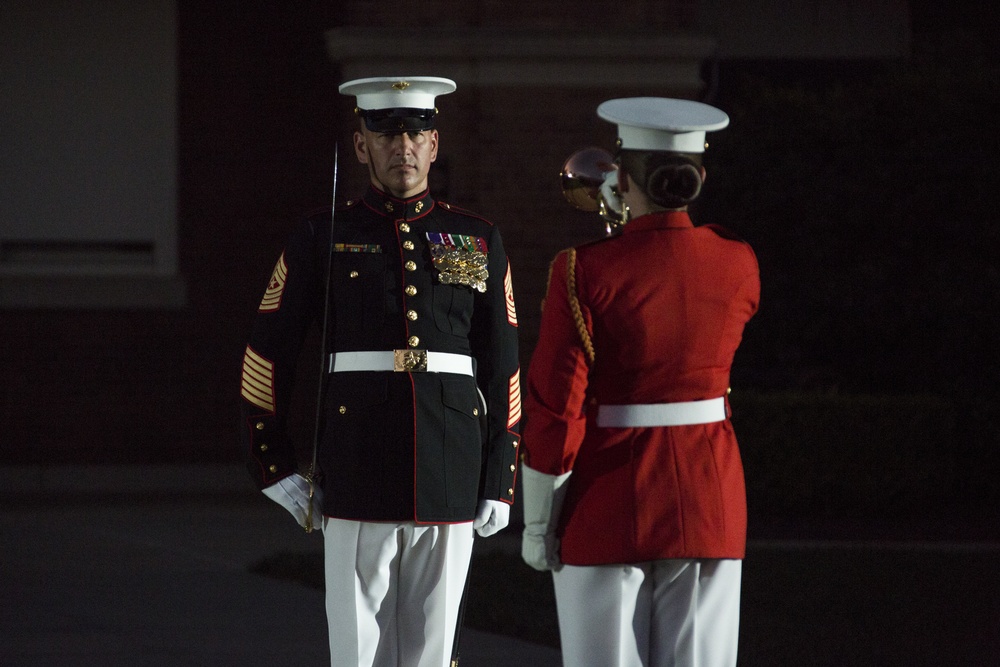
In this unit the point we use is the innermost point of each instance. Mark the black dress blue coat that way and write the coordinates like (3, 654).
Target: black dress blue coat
(393, 446)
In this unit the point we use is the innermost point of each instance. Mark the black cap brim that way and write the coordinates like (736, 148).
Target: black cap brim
(387, 121)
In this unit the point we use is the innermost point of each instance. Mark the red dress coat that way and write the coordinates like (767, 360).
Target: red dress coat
(665, 304)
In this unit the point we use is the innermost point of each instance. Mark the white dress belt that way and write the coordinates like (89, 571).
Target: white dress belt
(662, 414)
(409, 361)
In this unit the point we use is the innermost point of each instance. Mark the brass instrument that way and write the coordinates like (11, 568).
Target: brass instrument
(589, 181)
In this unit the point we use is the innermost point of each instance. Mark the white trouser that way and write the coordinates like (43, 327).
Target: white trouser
(665, 613)
(393, 591)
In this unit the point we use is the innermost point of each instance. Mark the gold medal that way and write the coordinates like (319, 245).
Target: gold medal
(460, 260)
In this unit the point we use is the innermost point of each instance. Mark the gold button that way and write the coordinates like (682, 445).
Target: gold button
(475, 411)
(354, 274)
(259, 426)
(343, 409)
(515, 444)
(403, 227)
(411, 265)
(412, 315)
(513, 467)
(273, 468)
(411, 290)
(408, 245)
(263, 448)
(413, 341)
(510, 492)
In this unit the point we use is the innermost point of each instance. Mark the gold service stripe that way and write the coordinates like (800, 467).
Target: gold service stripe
(514, 399)
(275, 288)
(508, 291)
(258, 380)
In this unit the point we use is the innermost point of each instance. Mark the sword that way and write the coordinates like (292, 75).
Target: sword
(311, 474)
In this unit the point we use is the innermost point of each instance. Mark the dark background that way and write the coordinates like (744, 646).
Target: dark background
(865, 188)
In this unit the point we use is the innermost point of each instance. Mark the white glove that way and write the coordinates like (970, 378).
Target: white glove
(491, 517)
(540, 551)
(543, 497)
(610, 196)
(292, 493)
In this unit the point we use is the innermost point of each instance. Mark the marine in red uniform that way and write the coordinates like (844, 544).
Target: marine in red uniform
(633, 483)
(421, 404)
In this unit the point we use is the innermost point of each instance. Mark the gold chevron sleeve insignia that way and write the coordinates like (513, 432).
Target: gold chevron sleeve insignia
(258, 380)
(508, 292)
(275, 287)
(514, 398)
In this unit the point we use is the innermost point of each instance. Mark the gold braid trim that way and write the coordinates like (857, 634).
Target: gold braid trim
(574, 304)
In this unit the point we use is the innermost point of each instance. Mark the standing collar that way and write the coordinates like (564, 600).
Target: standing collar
(393, 207)
(659, 220)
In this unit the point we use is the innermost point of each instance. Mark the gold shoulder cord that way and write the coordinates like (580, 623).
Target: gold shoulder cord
(574, 304)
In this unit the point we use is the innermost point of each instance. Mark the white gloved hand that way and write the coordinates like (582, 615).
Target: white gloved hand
(542, 496)
(491, 517)
(292, 493)
(610, 194)
(540, 551)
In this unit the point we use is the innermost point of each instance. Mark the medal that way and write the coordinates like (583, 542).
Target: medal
(460, 260)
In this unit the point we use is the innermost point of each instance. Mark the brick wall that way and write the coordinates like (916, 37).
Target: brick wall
(259, 118)
(584, 14)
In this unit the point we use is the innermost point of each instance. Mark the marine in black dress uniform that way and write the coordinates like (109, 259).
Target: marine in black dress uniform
(421, 403)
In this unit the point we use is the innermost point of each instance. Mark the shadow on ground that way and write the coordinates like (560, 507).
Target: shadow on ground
(834, 602)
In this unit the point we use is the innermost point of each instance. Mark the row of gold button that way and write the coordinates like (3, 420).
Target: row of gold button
(513, 467)
(410, 290)
(263, 447)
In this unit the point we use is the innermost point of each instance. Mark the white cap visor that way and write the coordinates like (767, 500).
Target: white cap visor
(662, 124)
(413, 92)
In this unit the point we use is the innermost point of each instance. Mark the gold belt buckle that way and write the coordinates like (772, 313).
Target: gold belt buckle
(409, 361)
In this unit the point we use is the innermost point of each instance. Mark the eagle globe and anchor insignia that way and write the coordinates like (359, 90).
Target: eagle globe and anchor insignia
(460, 260)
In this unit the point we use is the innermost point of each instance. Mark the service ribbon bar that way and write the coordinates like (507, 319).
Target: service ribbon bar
(357, 247)
(458, 241)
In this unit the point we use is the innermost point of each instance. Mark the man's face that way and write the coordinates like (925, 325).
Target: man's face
(397, 163)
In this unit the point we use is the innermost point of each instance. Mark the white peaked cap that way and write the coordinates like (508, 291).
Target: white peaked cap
(662, 123)
(397, 92)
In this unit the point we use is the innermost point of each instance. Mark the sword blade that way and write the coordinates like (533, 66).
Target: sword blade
(323, 332)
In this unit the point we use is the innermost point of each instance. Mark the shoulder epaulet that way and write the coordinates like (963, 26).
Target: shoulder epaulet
(552, 262)
(603, 239)
(350, 203)
(725, 233)
(325, 210)
(451, 208)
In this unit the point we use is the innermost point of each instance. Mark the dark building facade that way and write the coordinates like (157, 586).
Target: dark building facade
(258, 119)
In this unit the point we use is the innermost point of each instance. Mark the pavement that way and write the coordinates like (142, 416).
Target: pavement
(131, 566)
(150, 567)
